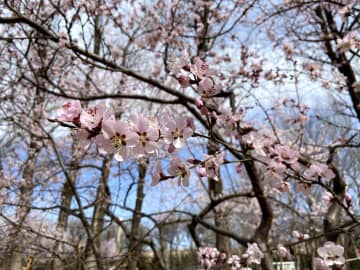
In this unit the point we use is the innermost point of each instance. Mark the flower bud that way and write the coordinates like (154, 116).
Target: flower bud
(199, 103)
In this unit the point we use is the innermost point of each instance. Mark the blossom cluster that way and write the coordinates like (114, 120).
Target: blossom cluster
(350, 41)
(210, 257)
(198, 74)
(140, 136)
(280, 158)
(331, 257)
(137, 137)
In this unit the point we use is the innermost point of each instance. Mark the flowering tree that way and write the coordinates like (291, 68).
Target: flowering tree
(248, 177)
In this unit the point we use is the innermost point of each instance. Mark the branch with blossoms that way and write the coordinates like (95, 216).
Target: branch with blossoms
(211, 258)
(142, 136)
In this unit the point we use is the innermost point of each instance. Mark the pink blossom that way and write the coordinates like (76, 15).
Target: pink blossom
(296, 235)
(304, 187)
(146, 134)
(234, 262)
(328, 197)
(115, 138)
(286, 154)
(171, 148)
(84, 138)
(176, 132)
(332, 254)
(70, 111)
(253, 254)
(319, 170)
(202, 172)
(299, 236)
(212, 165)
(179, 169)
(157, 174)
(208, 257)
(222, 257)
(229, 121)
(314, 70)
(239, 167)
(207, 88)
(348, 198)
(349, 41)
(199, 103)
(204, 110)
(184, 80)
(289, 51)
(320, 264)
(276, 166)
(199, 69)
(91, 117)
(115, 53)
(283, 252)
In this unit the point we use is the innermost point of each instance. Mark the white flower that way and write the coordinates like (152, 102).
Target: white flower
(332, 254)
(253, 254)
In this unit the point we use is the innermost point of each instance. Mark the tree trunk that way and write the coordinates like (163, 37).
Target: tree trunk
(102, 202)
(216, 190)
(26, 189)
(135, 245)
(66, 197)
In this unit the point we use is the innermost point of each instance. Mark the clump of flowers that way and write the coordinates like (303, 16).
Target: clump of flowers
(197, 73)
(331, 257)
(210, 257)
(298, 236)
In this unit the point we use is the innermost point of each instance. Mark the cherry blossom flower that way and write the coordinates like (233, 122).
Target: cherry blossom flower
(115, 138)
(84, 138)
(332, 254)
(275, 174)
(289, 51)
(286, 154)
(176, 132)
(328, 197)
(212, 165)
(207, 88)
(348, 198)
(200, 69)
(91, 118)
(319, 170)
(261, 143)
(283, 251)
(234, 262)
(178, 168)
(70, 111)
(319, 264)
(146, 134)
(253, 254)
(349, 41)
(221, 258)
(314, 70)
(299, 236)
(184, 80)
(157, 174)
(208, 256)
(199, 103)
(229, 121)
